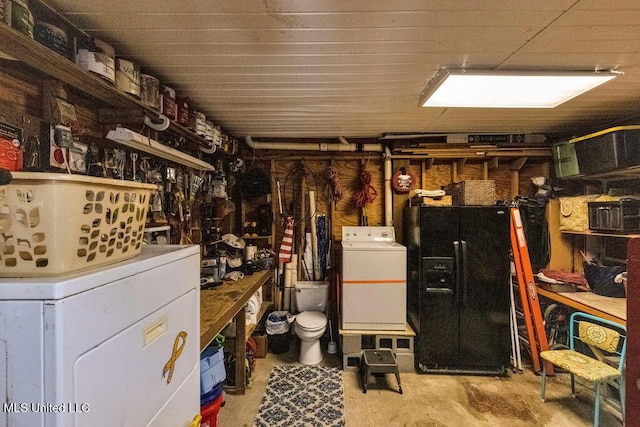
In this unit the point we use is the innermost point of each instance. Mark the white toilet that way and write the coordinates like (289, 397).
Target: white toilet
(311, 322)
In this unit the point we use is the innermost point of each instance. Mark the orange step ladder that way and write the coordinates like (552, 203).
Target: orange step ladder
(528, 295)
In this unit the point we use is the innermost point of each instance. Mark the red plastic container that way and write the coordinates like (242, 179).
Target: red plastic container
(210, 412)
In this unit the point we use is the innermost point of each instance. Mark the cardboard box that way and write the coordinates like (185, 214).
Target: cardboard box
(261, 345)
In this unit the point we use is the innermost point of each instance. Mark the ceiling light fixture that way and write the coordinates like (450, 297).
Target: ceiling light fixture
(508, 89)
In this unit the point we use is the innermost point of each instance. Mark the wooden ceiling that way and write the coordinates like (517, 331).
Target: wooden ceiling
(329, 68)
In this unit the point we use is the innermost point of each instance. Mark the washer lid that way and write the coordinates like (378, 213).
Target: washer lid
(311, 319)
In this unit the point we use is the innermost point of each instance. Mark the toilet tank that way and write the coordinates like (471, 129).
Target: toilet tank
(311, 296)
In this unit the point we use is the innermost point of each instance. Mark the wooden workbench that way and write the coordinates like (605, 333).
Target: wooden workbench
(222, 304)
(614, 309)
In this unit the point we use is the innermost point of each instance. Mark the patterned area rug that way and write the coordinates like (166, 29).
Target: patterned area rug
(301, 395)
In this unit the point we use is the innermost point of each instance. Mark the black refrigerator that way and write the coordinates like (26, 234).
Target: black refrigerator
(458, 268)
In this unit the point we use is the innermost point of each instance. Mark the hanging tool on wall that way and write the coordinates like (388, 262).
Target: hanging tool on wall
(282, 218)
(403, 181)
(366, 193)
(334, 188)
(536, 333)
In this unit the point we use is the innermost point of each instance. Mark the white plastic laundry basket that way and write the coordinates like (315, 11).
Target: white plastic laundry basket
(52, 224)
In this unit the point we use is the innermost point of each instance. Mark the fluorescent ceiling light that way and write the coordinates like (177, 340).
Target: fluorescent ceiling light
(508, 89)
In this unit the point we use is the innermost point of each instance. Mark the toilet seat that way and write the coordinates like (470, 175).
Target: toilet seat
(311, 321)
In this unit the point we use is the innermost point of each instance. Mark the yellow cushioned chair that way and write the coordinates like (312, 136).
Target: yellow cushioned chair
(596, 353)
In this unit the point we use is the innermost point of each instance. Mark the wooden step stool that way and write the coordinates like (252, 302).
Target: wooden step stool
(379, 361)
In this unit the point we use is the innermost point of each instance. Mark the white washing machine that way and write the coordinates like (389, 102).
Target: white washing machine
(374, 279)
(118, 345)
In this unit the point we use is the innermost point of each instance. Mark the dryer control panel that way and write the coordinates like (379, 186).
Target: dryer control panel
(368, 234)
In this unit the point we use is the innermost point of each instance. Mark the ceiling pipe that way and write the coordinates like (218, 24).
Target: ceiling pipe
(344, 145)
(312, 146)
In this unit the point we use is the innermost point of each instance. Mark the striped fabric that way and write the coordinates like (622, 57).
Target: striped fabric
(286, 247)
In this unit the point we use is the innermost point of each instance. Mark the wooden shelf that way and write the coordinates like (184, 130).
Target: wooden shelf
(617, 175)
(614, 309)
(263, 309)
(248, 213)
(454, 151)
(156, 229)
(45, 60)
(132, 139)
(601, 234)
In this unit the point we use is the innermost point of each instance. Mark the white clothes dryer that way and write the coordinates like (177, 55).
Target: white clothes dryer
(117, 345)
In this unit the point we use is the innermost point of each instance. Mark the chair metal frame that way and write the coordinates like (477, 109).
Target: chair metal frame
(615, 359)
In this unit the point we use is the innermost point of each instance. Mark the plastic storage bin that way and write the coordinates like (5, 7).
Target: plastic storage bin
(52, 224)
(565, 159)
(212, 370)
(608, 150)
(216, 391)
(210, 412)
(616, 216)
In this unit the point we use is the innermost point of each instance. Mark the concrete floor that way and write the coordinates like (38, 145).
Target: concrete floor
(437, 400)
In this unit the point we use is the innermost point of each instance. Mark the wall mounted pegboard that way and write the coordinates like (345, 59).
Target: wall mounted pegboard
(31, 135)
(29, 124)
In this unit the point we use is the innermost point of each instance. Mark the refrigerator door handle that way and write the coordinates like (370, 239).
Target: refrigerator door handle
(464, 272)
(457, 261)
(444, 291)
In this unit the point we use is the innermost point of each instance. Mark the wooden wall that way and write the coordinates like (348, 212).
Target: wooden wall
(340, 212)
(343, 212)
(21, 100)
